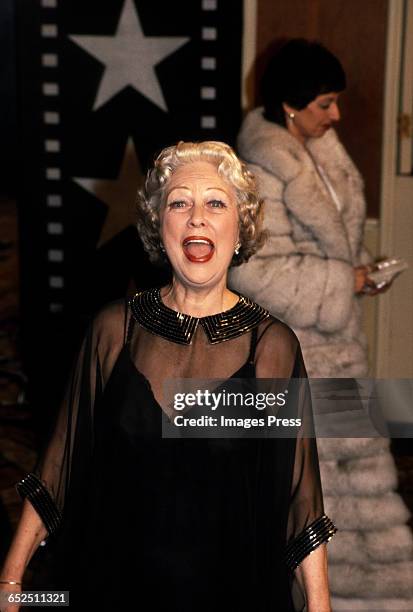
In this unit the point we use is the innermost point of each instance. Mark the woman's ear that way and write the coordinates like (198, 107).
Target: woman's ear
(289, 111)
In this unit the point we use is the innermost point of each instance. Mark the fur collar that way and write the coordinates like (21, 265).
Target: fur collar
(274, 149)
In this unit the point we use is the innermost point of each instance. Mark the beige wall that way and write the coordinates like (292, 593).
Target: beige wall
(370, 303)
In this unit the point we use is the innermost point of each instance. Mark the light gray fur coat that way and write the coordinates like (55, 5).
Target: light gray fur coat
(304, 273)
(304, 276)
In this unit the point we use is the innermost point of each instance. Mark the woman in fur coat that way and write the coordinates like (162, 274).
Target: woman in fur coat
(312, 273)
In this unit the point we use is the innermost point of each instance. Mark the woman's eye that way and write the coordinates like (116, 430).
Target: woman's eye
(216, 204)
(324, 106)
(177, 204)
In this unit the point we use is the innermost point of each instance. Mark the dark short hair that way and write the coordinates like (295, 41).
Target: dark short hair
(299, 72)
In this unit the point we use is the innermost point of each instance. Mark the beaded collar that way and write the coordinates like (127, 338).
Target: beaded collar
(149, 311)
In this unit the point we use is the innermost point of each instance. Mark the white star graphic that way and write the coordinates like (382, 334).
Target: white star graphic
(129, 58)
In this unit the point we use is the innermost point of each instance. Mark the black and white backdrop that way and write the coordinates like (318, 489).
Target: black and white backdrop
(101, 87)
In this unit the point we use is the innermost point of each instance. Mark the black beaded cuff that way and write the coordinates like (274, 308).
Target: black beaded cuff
(41, 500)
(318, 532)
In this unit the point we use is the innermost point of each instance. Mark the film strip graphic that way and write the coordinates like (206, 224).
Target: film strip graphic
(51, 89)
(209, 36)
(213, 115)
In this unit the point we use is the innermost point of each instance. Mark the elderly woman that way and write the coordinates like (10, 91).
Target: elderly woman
(185, 524)
(312, 273)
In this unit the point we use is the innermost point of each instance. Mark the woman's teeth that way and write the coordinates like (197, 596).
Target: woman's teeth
(198, 249)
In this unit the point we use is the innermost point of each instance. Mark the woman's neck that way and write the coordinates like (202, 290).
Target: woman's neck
(198, 302)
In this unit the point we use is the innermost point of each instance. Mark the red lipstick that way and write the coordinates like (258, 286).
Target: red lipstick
(198, 249)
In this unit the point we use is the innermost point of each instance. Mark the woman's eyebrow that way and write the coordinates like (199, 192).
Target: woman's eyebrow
(216, 189)
(188, 189)
(177, 187)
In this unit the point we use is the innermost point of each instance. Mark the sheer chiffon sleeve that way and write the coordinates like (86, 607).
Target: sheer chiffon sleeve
(279, 357)
(63, 465)
(308, 525)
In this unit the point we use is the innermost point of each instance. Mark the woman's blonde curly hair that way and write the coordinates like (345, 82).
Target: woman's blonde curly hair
(151, 197)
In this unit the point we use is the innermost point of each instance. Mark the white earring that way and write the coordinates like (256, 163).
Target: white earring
(291, 116)
(237, 248)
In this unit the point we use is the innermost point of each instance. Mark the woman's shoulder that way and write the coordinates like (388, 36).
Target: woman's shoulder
(271, 327)
(277, 330)
(111, 319)
(277, 349)
(270, 146)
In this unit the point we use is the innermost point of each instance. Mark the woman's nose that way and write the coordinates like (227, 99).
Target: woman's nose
(196, 217)
(334, 111)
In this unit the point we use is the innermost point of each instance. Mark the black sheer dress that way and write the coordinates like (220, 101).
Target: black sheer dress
(136, 519)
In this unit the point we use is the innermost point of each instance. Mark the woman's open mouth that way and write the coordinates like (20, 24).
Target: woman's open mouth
(198, 249)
